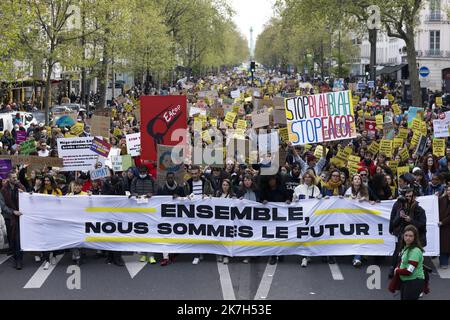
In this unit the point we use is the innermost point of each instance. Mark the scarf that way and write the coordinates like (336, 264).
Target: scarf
(175, 185)
(330, 185)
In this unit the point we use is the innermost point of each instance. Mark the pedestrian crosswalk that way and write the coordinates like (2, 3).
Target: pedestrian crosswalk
(37, 277)
(41, 275)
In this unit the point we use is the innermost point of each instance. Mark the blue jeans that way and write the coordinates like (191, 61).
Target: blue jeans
(443, 259)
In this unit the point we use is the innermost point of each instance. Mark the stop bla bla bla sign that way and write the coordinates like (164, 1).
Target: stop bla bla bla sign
(320, 118)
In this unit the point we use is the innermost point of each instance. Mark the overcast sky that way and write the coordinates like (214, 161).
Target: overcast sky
(252, 13)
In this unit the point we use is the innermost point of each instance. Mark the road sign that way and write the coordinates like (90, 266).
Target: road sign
(424, 72)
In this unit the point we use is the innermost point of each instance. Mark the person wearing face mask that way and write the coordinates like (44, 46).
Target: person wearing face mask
(407, 211)
(144, 186)
(368, 163)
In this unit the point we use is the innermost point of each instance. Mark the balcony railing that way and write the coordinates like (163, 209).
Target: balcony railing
(434, 53)
(434, 17)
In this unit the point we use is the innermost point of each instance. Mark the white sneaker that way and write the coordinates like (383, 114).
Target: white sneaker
(304, 262)
(53, 261)
(357, 263)
(226, 260)
(37, 258)
(196, 261)
(46, 265)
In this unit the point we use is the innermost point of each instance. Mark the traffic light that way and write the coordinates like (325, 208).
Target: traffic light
(253, 66)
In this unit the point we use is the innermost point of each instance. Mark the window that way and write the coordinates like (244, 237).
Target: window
(435, 9)
(435, 42)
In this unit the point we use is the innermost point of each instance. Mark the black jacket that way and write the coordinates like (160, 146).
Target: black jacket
(397, 225)
(165, 191)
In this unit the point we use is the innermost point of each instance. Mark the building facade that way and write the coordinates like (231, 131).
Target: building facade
(432, 49)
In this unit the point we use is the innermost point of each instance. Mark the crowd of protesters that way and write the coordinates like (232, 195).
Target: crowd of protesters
(302, 175)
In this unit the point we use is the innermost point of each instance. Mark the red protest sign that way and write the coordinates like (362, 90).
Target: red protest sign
(160, 117)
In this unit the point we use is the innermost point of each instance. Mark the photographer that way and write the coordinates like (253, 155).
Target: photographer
(407, 211)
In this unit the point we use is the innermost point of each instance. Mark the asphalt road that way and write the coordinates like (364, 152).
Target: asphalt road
(207, 281)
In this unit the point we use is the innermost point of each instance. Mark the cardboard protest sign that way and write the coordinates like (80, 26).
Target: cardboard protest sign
(100, 147)
(260, 119)
(34, 162)
(121, 163)
(384, 102)
(321, 118)
(27, 147)
(100, 126)
(134, 144)
(166, 165)
(439, 147)
(161, 117)
(5, 168)
(279, 117)
(441, 127)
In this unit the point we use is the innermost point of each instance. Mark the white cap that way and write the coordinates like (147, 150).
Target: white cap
(416, 170)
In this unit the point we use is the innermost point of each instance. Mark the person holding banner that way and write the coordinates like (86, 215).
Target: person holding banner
(333, 187)
(357, 191)
(225, 192)
(307, 190)
(10, 193)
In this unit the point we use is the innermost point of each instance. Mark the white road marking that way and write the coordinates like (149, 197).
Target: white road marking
(444, 274)
(225, 282)
(336, 272)
(3, 258)
(266, 282)
(41, 275)
(134, 266)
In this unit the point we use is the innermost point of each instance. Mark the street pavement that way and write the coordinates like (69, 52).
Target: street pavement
(207, 281)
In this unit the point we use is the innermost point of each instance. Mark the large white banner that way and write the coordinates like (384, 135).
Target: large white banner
(333, 227)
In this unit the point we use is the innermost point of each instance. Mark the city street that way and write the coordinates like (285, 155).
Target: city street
(207, 281)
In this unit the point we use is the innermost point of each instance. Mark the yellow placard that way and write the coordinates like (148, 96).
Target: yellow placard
(77, 129)
(241, 124)
(390, 97)
(398, 143)
(354, 159)
(393, 165)
(402, 170)
(423, 128)
(416, 124)
(213, 123)
(229, 118)
(404, 154)
(439, 147)
(117, 132)
(374, 148)
(284, 134)
(386, 147)
(396, 109)
(439, 101)
(380, 121)
(206, 137)
(403, 133)
(415, 139)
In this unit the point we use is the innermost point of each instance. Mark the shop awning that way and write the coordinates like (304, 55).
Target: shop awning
(390, 69)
